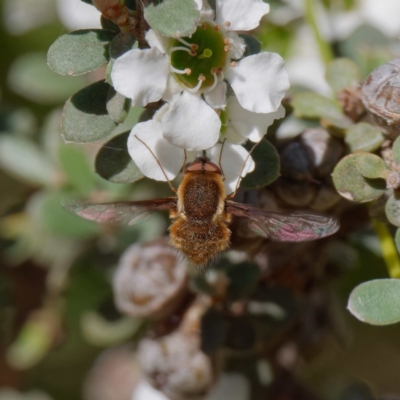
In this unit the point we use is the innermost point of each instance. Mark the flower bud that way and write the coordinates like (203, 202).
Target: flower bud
(176, 366)
(114, 375)
(393, 180)
(150, 281)
(380, 94)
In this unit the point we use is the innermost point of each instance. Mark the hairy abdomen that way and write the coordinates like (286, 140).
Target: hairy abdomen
(199, 243)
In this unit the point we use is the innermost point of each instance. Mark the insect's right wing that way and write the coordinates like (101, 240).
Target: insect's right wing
(285, 226)
(122, 213)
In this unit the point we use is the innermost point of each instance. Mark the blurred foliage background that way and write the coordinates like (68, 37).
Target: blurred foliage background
(56, 306)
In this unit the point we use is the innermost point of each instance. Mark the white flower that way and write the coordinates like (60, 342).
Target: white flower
(180, 71)
(160, 160)
(242, 124)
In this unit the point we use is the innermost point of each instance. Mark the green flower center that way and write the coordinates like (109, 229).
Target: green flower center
(199, 60)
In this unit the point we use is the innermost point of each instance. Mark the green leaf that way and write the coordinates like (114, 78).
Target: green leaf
(118, 106)
(61, 222)
(173, 18)
(392, 210)
(80, 52)
(396, 151)
(253, 46)
(267, 166)
(114, 163)
(371, 166)
(30, 77)
(314, 106)
(343, 73)
(364, 137)
(121, 43)
(352, 185)
(22, 158)
(376, 302)
(85, 116)
(75, 165)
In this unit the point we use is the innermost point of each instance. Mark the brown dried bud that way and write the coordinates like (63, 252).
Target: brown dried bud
(380, 94)
(393, 180)
(114, 375)
(116, 11)
(150, 281)
(176, 366)
(351, 103)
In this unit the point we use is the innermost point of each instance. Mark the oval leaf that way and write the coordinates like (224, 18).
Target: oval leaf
(371, 166)
(80, 52)
(352, 185)
(114, 163)
(392, 210)
(376, 302)
(122, 43)
(267, 166)
(314, 106)
(24, 159)
(118, 106)
(85, 117)
(173, 18)
(396, 151)
(343, 73)
(364, 137)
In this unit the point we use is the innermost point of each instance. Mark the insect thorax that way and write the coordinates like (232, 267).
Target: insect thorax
(201, 196)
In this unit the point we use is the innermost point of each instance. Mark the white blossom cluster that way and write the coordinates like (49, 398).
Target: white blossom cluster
(202, 116)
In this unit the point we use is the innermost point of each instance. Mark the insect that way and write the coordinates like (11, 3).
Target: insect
(201, 212)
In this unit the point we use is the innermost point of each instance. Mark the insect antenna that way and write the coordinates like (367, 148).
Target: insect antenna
(220, 158)
(159, 164)
(233, 194)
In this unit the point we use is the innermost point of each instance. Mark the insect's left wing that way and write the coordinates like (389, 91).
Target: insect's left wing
(295, 226)
(122, 213)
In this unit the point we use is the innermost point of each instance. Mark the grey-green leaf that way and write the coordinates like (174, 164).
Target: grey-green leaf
(343, 73)
(396, 151)
(85, 117)
(80, 52)
(173, 18)
(392, 210)
(121, 43)
(114, 163)
(376, 302)
(397, 240)
(30, 77)
(118, 106)
(364, 137)
(314, 106)
(267, 166)
(371, 166)
(22, 158)
(352, 185)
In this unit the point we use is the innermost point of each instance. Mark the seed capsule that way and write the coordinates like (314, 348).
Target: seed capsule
(380, 94)
(149, 282)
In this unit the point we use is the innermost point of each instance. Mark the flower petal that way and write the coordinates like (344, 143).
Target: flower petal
(217, 97)
(173, 89)
(157, 41)
(143, 391)
(235, 161)
(259, 82)
(141, 75)
(251, 125)
(243, 15)
(237, 46)
(190, 123)
(152, 153)
(231, 135)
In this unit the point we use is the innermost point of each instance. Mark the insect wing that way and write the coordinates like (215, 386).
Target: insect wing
(282, 226)
(123, 213)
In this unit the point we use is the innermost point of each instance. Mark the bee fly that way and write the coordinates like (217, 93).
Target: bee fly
(201, 212)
